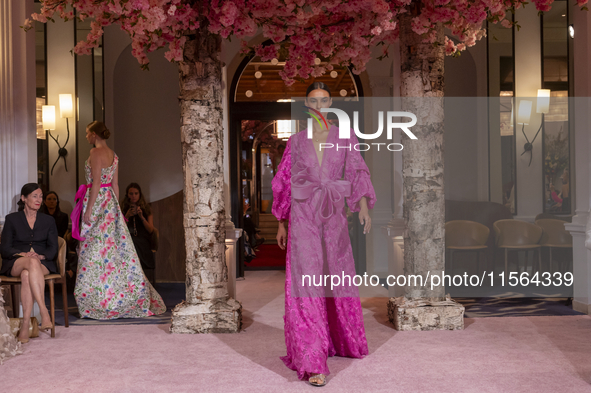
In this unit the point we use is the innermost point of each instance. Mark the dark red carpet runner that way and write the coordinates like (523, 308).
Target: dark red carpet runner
(268, 255)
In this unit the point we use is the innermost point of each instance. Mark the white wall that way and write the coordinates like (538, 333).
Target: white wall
(146, 119)
(380, 75)
(142, 112)
(461, 136)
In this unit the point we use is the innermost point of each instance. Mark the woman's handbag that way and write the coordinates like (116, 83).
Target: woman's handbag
(15, 325)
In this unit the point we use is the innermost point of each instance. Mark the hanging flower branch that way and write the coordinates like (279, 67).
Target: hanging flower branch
(313, 36)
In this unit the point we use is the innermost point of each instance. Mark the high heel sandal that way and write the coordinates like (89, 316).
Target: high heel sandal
(321, 377)
(46, 327)
(23, 341)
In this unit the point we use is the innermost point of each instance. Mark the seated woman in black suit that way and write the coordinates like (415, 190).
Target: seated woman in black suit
(29, 249)
(51, 206)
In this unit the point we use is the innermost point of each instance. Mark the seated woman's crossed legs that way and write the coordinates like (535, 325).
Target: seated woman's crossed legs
(32, 273)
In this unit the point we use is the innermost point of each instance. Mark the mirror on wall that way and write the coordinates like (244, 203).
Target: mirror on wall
(40, 100)
(555, 135)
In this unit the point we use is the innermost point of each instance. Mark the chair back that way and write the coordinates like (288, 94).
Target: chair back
(554, 233)
(61, 256)
(463, 233)
(516, 233)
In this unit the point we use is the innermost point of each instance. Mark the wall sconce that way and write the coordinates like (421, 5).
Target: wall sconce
(48, 117)
(66, 111)
(523, 117)
(571, 31)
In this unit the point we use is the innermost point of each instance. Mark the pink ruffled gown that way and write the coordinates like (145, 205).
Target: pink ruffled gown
(311, 196)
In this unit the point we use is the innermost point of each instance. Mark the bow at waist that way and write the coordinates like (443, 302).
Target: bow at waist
(332, 192)
(77, 212)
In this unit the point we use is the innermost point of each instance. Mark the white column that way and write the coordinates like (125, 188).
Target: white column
(18, 144)
(582, 257)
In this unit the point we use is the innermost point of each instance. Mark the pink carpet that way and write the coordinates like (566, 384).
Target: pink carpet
(525, 354)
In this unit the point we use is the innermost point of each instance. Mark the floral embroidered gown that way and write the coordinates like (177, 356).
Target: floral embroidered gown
(111, 283)
(319, 326)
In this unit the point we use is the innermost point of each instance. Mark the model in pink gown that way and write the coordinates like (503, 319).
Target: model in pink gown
(318, 322)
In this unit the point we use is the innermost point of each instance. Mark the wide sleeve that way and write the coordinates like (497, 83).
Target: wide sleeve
(357, 173)
(281, 185)
(7, 250)
(52, 243)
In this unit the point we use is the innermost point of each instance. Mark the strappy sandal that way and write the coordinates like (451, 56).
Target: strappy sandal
(23, 341)
(322, 378)
(46, 327)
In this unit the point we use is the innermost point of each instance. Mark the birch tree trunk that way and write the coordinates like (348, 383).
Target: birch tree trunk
(424, 201)
(208, 308)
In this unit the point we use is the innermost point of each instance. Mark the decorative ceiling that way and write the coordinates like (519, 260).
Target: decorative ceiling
(270, 87)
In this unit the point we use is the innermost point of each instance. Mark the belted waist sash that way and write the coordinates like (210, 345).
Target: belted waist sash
(77, 212)
(333, 192)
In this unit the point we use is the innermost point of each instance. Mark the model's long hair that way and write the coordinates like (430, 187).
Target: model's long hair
(44, 208)
(126, 204)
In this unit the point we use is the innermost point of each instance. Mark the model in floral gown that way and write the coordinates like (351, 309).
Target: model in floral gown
(309, 192)
(110, 282)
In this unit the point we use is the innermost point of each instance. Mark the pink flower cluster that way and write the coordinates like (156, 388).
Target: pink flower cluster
(339, 32)
(151, 24)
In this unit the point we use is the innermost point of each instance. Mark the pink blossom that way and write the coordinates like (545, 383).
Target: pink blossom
(229, 13)
(340, 32)
(506, 23)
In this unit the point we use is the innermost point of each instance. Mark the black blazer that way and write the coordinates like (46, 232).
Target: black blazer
(18, 237)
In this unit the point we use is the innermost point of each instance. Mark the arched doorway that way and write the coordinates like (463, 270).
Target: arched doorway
(259, 102)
